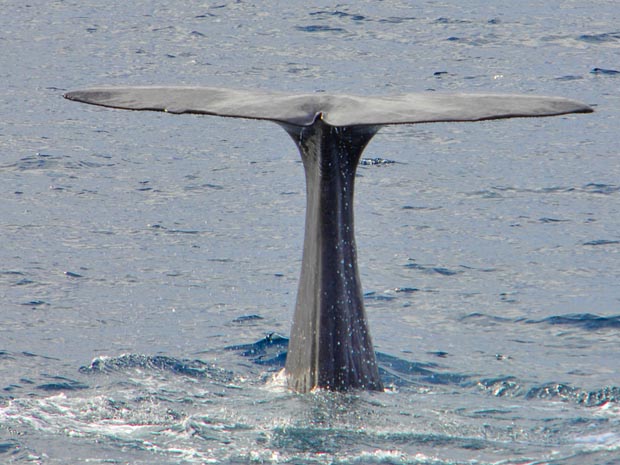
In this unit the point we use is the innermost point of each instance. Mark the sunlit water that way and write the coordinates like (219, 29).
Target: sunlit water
(143, 255)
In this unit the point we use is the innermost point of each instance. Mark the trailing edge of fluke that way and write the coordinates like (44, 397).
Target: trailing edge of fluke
(330, 345)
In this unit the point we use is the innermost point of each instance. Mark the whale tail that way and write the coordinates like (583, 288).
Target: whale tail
(335, 110)
(330, 345)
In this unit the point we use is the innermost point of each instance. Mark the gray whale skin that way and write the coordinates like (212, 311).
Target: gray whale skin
(330, 345)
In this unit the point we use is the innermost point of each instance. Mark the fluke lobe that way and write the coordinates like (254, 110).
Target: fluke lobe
(330, 345)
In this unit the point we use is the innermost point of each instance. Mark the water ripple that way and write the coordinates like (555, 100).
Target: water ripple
(430, 269)
(376, 162)
(44, 161)
(605, 72)
(510, 386)
(586, 321)
(605, 37)
(602, 242)
(191, 368)
(339, 14)
(590, 188)
(319, 28)
(564, 392)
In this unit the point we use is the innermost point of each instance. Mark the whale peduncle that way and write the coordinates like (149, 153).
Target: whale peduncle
(330, 345)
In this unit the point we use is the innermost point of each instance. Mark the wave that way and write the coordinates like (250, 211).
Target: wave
(589, 188)
(47, 161)
(585, 321)
(190, 368)
(511, 387)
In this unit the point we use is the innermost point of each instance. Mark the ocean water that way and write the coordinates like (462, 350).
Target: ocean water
(149, 262)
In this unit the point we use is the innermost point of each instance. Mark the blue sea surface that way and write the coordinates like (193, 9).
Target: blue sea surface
(149, 262)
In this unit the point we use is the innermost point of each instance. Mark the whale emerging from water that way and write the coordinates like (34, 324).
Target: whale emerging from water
(330, 345)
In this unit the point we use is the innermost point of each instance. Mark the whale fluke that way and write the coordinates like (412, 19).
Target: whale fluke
(336, 110)
(330, 345)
